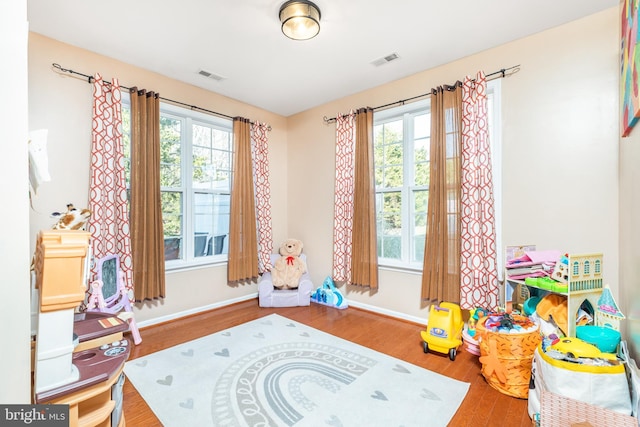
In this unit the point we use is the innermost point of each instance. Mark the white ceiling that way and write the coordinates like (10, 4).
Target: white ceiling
(241, 41)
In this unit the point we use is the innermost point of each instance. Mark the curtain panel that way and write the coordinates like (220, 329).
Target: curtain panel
(242, 263)
(109, 221)
(343, 197)
(355, 257)
(441, 269)
(479, 278)
(364, 257)
(147, 231)
(260, 155)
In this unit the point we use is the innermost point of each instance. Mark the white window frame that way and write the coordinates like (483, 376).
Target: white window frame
(188, 118)
(495, 106)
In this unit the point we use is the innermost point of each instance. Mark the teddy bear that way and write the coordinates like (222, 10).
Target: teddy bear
(289, 267)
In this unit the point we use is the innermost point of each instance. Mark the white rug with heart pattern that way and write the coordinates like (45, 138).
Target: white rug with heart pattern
(277, 372)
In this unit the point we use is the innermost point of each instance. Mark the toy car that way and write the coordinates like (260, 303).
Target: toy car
(444, 329)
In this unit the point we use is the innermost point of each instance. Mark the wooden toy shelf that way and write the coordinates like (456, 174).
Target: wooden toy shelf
(583, 275)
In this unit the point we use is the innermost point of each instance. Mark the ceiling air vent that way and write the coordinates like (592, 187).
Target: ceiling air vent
(385, 59)
(210, 75)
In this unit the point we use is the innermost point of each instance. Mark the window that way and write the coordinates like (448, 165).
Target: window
(576, 269)
(195, 182)
(401, 161)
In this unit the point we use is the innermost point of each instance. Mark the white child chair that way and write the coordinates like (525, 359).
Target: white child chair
(109, 294)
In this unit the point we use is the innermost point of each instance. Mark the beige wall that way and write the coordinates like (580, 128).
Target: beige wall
(14, 244)
(629, 300)
(61, 103)
(560, 154)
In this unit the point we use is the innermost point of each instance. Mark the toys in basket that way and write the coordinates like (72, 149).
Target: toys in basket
(328, 294)
(507, 343)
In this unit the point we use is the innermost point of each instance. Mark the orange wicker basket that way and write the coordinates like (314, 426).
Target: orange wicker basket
(506, 359)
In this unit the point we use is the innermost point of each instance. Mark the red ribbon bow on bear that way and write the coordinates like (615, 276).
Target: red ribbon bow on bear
(290, 260)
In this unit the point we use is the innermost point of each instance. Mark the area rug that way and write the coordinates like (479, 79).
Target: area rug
(277, 372)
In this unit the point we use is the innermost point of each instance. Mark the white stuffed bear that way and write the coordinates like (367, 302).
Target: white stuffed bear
(289, 267)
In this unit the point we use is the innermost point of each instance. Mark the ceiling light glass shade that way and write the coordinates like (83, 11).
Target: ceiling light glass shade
(300, 19)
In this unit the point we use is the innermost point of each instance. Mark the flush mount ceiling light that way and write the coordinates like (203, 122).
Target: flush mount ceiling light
(300, 19)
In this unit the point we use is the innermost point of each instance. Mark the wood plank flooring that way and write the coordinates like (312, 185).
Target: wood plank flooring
(483, 405)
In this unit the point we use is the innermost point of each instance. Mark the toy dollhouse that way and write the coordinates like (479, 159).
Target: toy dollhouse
(583, 274)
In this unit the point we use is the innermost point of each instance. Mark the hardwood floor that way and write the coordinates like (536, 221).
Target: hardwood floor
(483, 405)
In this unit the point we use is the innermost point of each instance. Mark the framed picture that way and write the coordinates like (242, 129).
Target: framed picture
(630, 66)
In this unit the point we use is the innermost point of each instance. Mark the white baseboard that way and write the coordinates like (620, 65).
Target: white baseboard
(174, 316)
(362, 306)
(390, 313)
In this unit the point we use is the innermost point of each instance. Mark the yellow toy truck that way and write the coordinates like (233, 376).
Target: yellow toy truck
(444, 329)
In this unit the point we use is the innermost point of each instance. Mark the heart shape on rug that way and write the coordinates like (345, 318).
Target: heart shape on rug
(224, 352)
(188, 353)
(291, 325)
(305, 334)
(402, 369)
(379, 395)
(166, 381)
(142, 363)
(226, 334)
(428, 394)
(267, 322)
(334, 421)
(188, 404)
(260, 335)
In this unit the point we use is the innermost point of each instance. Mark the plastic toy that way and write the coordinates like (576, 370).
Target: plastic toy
(444, 330)
(475, 315)
(575, 348)
(606, 339)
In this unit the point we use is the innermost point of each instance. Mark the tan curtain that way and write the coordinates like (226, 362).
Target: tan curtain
(441, 270)
(364, 256)
(147, 234)
(243, 245)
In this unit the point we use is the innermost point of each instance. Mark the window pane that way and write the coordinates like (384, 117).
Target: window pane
(389, 224)
(421, 172)
(421, 149)
(172, 223)
(201, 136)
(202, 168)
(393, 131)
(420, 201)
(211, 158)
(393, 177)
(170, 138)
(221, 139)
(422, 126)
(388, 157)
(211, 223)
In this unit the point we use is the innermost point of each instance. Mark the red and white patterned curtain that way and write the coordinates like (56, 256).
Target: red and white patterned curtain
(109, 222)
(260, 154)
(344, 189)
(478, 265)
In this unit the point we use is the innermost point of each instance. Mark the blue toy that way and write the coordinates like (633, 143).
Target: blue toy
(328, 294)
